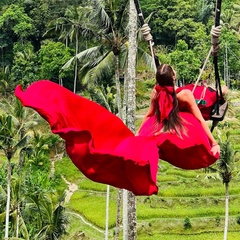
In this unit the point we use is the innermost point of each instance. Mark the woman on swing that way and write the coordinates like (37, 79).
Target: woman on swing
(164, 114)
(105, 150)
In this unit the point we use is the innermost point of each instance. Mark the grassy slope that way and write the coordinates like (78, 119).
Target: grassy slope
(182, 194)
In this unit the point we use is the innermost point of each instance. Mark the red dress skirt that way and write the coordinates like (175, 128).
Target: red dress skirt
(104, 149)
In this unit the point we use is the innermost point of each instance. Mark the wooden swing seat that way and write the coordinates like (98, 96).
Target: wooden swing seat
(218, 114)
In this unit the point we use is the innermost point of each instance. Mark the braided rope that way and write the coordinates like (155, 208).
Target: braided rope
(146, 32)
(215, 34)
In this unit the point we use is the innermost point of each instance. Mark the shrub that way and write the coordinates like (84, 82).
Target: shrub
(187, 223)
(218, 220)
(238, 220)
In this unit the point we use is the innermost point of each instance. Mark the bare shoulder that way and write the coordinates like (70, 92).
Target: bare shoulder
(185, 95)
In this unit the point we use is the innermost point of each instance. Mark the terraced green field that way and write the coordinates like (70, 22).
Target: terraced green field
(194, 196)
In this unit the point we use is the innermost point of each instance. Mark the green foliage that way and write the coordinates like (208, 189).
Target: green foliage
(105, 96)
(180, 28)
(238, 220)
(15, 19)
(52, 57)
(230, 43)
(204, 11)
(187, 223)
(186, 62)
(226, 161)
(25, 66)
(218, 221)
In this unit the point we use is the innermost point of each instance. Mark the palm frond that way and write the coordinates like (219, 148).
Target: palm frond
(146, 58)
(89, 54)
(101, 14)
(85, 55)
(100, 69)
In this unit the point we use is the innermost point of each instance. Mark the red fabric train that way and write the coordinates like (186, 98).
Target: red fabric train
(104, 149)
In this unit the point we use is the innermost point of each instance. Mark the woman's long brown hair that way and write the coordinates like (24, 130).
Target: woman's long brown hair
(165, 77)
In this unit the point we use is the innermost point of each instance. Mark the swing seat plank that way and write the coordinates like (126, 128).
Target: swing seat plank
(219, 115)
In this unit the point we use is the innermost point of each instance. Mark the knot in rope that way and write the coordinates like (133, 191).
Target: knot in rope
(146, 32)
(215, 34)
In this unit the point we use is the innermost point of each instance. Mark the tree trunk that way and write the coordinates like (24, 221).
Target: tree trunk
(118, 86)
(76, 63)
(8, 199)
(226, 212)
(118, 220)
(17, 220)
(132, 56)
(107, 211)
(125, 214)
(131, 110)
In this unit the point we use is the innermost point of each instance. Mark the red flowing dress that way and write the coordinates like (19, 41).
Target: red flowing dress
(104, 149)
(207, 94)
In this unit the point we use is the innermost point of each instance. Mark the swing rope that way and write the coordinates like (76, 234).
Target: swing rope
(215, 44)
(215, 34)
(146, 31)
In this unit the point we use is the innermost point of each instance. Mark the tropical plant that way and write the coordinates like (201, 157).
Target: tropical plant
(23, 118)
(205, 9)
(225, 168)
(52, 56)
(4, 78)
(19, 227)
(230, 18)
(105, 96)
(101, 62)
(72, 26)
(24, 69)
(51, 218)
(16, 20)
(12, 138)
(185, 62)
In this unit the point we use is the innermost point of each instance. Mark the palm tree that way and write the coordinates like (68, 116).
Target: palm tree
(73, 25)
(231, 17)
(225, 168)
(103, 63)
(23, 118)
(104, 95)
(12, 138)
(107, 23)
(4, 85)
(51, 218)
(16, 202)
(131, 109)
(205, 10)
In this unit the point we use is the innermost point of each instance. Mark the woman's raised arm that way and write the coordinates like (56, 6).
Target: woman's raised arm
(187, 97)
